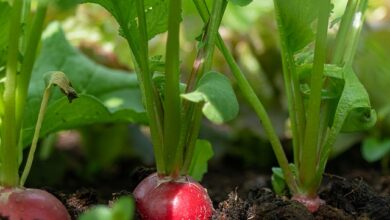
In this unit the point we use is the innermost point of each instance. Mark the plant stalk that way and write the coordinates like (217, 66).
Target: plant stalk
(28, 63)
(172, 106)
(253, 100)
(38, 125)
(349, 54)
(9, 148)
(291, 83)
(308, 168)
(195, 110)
(357, 24)
(150, 96)
(344, 29)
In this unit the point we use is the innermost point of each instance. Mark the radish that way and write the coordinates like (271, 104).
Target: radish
(168, 199)
(30, 204)
(312, 204)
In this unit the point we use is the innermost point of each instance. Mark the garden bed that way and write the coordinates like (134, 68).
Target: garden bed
(362, 193)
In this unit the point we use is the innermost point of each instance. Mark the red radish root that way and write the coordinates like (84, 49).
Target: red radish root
(166, 199)
(30, 204)
(312, 204)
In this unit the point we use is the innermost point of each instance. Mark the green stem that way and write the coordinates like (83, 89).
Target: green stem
(195, 110)
(26, 18)
(294, 98)
(55, 78)
(38, 125)
(349, 54)
(261, 113)
(149, 94)
(172, 106)
(308, 168)
(28, 63)
(344, 29)
(357, 24)
(253, 100)
(9, 149)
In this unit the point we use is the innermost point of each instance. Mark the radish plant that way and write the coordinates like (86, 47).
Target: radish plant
(324, 95)
(28, 110)
(17, 202)
(174, 110)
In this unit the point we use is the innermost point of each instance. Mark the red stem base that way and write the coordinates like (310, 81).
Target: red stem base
(312, 204)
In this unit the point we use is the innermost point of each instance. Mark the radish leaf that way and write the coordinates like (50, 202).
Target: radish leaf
(217, 96)
(296, 18)
(203, 153)
(374, 149)
(124, 11)
(123, 208)
(105, 95)
(353, 111)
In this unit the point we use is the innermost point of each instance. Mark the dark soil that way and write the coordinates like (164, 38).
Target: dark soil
(243, 192)
(245, 195)
(345, 199)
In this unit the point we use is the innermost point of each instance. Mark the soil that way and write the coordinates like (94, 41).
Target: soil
(238, 194)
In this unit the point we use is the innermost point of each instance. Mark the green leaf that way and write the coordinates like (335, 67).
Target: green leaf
(214, 91)
(122, 209)
(125, 13)
(334, 85)
(277, 179)
(105, 95)
(295, 18)
(203, 153)
(241, 2)
(374, 149)
(353, 111)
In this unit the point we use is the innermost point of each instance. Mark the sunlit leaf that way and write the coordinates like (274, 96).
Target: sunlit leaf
(105, 95)
(124, 12)
(216, 94)
(295, 19)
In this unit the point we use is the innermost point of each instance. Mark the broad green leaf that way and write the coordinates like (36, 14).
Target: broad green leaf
(241, 2)
(354, 107)
(214, 91)
(374, 149)
(124, 12)
(5, 13)
(295, 19)
(105, 95)
(353, 111)
(122, 209)
(203, 153)
(334, 85)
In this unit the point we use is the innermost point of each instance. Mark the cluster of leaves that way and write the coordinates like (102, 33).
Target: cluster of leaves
(324, 100)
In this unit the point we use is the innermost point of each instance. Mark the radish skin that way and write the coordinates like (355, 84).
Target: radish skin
(312, 204)
(31, 204)
(166, 199)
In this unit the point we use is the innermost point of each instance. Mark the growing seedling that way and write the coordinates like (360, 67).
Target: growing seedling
(324, 98)
(174, 115)
(17, 202)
